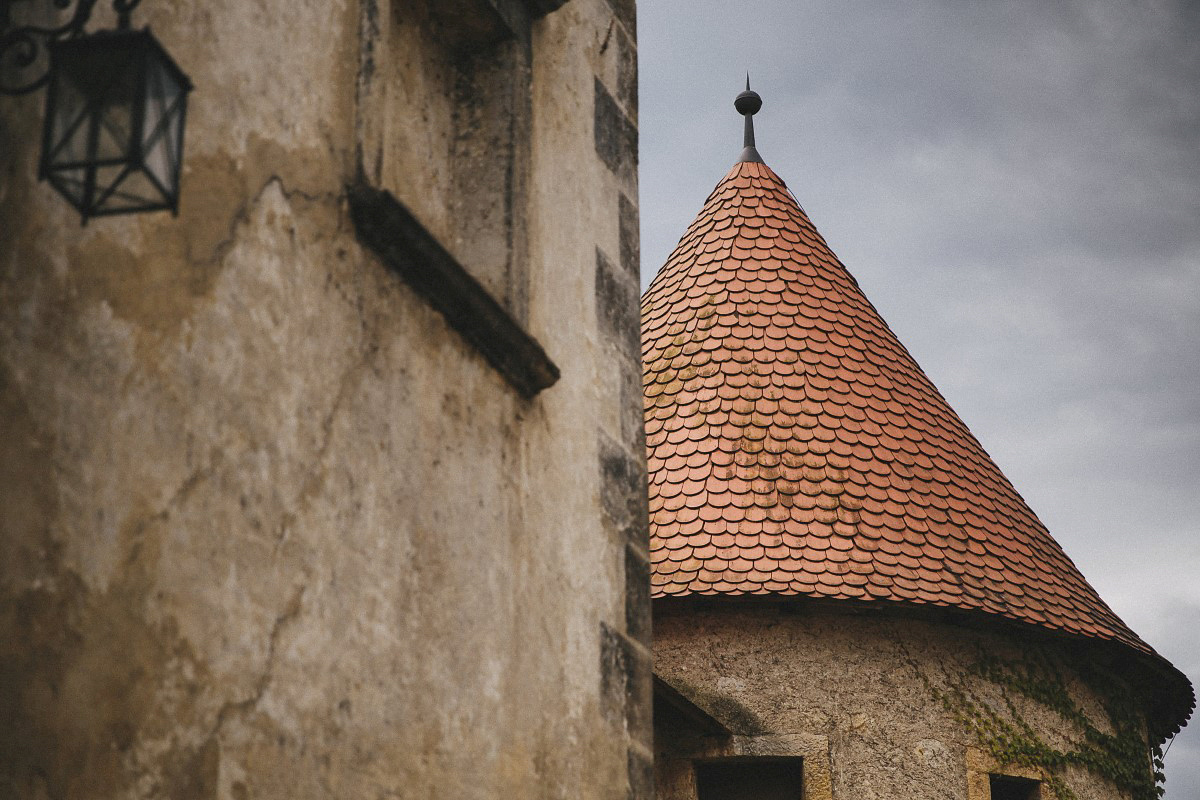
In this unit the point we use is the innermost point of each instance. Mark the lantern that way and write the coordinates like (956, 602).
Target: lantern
(112, 139)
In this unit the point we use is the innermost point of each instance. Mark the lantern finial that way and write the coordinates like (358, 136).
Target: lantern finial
(124, 9)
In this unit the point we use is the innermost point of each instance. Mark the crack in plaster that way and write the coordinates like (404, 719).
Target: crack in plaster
(290, 613)
(173, 504)
(246, 209)
(313, 474)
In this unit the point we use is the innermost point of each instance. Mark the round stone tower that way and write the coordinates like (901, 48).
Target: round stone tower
(850, 600)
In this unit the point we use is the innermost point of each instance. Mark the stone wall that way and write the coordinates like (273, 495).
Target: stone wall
(273, 527)
(881, 706)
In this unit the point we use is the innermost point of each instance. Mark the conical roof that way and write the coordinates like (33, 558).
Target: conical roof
(796, 448)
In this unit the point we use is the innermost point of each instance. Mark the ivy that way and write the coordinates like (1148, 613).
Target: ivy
(1120, 757)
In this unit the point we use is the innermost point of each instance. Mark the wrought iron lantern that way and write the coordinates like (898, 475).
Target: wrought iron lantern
(112, 138)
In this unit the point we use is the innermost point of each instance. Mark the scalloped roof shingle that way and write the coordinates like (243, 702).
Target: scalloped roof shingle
(796, 448)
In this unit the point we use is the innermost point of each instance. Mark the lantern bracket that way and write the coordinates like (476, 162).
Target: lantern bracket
(24, 63)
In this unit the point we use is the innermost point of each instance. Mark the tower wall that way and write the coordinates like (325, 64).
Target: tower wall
(272, 527)
(882, 707)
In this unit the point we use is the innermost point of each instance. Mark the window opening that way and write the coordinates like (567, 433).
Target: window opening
(750, 779)
(1007, 787)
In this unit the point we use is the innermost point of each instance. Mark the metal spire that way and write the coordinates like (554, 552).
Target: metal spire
(747, 104)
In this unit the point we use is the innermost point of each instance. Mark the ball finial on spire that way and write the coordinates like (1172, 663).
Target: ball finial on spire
(747, 104)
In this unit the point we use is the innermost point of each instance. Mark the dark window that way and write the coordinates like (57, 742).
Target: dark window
(1006, 787)
(776, 779)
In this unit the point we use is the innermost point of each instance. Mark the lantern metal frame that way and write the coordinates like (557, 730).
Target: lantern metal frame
(134, 78)
(134, 55)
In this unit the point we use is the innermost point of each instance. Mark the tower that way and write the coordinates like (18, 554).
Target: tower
(850, 599)
(298, 500)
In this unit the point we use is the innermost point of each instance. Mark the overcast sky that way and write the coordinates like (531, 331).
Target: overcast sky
(1016, 187)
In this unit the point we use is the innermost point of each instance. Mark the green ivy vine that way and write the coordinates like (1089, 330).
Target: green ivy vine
(1122, 757)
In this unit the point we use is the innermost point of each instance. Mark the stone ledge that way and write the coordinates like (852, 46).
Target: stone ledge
(396, 237)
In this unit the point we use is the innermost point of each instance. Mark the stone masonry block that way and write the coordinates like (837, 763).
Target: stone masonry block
(630, 234)
(626, 688)
(617, 308)
(615, 136)
(637, 594)
(622, 485)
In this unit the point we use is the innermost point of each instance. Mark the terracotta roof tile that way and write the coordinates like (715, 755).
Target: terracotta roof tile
(796, 448)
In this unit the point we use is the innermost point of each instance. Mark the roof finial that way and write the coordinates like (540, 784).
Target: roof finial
(747, 104)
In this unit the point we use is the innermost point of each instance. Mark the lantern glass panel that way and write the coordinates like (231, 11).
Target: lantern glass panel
(68, 123)
(162, 138)
(114, 119)
(96, 82)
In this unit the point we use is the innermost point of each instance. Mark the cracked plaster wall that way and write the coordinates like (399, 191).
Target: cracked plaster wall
(271, 529)
(859, 684)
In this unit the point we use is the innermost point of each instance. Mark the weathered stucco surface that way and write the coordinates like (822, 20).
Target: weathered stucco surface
(874, 702)
(271, 529)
